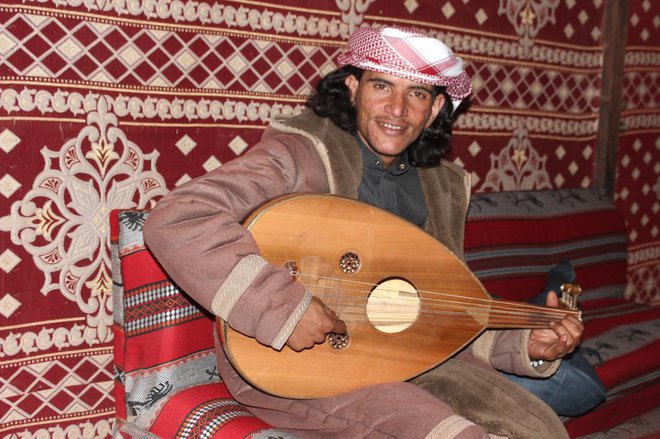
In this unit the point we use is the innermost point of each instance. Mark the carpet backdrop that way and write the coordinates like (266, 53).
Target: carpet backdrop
(108, 104)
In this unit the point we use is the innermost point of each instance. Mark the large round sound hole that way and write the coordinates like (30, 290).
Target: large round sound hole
(393, 306)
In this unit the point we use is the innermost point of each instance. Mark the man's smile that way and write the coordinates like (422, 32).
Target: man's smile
(391, 126)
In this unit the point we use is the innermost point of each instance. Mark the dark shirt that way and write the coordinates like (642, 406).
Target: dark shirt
(397, 189)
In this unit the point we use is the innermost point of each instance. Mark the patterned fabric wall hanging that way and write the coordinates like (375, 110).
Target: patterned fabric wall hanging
(638, 173)
(109, 104)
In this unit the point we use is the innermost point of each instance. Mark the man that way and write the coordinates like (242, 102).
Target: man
(379, 129)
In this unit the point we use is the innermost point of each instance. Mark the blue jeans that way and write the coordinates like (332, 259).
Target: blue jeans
(571, 391)
(574, 388)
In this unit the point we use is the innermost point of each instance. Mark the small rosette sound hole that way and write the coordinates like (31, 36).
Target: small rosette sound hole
(338, 342)
(349, 262)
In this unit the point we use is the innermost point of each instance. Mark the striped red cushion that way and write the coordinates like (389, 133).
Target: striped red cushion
(512, 239)
(638, 406)
(621, 339)
(167, 380)
(205, 411)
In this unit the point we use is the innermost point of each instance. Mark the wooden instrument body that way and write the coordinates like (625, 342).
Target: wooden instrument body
(310, 233)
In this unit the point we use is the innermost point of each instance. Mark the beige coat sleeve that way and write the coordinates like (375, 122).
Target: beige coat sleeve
(195, 232)
(506, 350)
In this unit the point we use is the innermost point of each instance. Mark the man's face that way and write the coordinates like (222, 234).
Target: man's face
(391, 112)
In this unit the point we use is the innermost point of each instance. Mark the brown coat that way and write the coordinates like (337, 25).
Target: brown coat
(196, 234)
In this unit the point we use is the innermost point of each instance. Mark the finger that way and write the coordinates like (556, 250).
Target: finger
(334, 325)
(560, 329)
(569, 341)
(340, 327)
(319, 338)
(295, 345)
(576, 323)
(558, 349)
(552, 300)
(330, 312)
(574, 327)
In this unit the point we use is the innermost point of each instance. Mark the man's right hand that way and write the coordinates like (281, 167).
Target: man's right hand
(317, 322)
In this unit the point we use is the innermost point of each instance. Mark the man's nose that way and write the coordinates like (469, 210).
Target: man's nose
(397, 105)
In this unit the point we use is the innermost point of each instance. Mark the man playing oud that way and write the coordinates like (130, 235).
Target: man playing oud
(376, 130)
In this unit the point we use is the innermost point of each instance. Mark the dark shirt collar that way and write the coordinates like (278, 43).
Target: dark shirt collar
(372, 161)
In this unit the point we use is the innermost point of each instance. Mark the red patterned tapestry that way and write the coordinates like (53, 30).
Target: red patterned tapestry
(638, 155)
(108, 104)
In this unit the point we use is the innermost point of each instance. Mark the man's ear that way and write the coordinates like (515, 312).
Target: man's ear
(438, 102)
(352, 83)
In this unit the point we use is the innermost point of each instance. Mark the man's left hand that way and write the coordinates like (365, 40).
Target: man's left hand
(560, 339)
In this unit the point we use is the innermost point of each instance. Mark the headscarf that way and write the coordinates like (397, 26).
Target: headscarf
(409, 54)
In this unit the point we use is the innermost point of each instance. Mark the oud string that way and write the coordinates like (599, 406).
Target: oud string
(479, 306)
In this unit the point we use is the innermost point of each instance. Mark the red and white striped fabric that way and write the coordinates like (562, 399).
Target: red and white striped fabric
(409, 54)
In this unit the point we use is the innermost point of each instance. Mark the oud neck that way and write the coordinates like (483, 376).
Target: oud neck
(505, 314)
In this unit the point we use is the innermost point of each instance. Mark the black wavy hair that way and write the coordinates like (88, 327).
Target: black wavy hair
(332, 99)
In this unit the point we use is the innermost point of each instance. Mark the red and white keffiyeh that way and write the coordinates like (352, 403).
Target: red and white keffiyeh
(408, 54)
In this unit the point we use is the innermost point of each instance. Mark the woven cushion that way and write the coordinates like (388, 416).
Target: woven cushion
(167, 381)
(622, 340)
(633, 414)
(203, 411)
(512, 239)
(167, 338)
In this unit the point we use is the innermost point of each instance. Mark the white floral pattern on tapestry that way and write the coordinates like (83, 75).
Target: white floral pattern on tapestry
(255, 17)
(517, 167)
(353, 12)
(528, 17)
(63, 220)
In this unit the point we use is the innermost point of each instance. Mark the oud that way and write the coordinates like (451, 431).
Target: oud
(408, 302)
